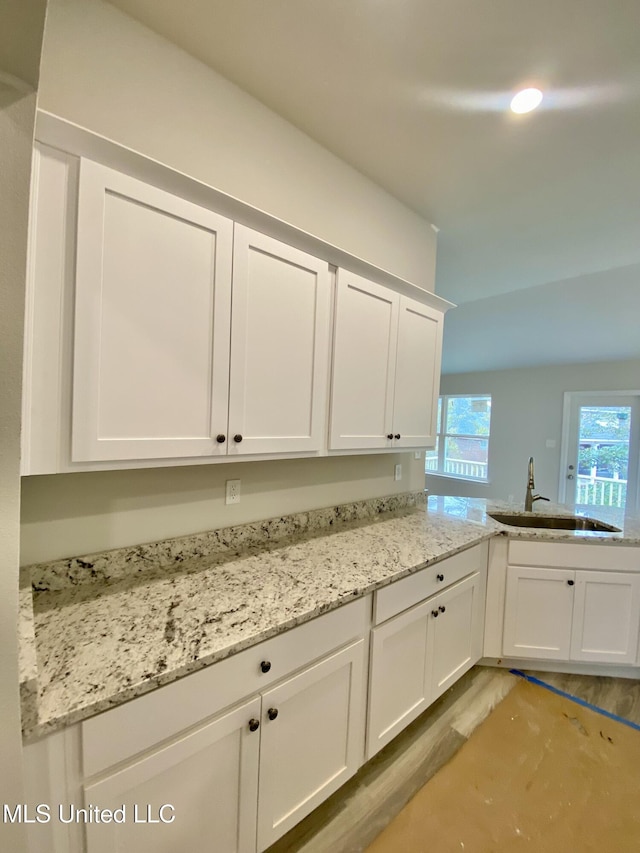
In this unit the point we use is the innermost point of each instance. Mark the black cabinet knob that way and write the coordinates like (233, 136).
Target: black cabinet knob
(389, 435)
(254, 725)
(442, 608)
(440, 577)
(570, 583)
(435, 614)
(221, 438)
(237, 438)
(272, 713)
(398, 435)
(265, 666)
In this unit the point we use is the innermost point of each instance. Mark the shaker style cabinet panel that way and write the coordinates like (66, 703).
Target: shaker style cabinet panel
(538, 613)
(311, 741)
(417, 381)
(364, 364)
(420, 653)
(386, 368)
(572, 615)
(152, 319)
(606, 617)
(208, 777)
(279, 347)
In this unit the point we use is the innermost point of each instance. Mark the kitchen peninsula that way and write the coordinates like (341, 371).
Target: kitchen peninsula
(255, 617)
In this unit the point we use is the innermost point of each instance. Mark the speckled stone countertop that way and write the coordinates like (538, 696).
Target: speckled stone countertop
(105, 628)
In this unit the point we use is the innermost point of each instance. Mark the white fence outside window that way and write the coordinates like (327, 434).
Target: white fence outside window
(601, 491)
(459, 467)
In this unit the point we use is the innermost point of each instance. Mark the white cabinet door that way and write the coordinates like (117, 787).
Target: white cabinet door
(364, 364)
(606, 616)
(399, 685)
(538, 613)
(151, 346)
(455, 633)
(207, 782)
(311, 742)
(417, 378)
(279, 347)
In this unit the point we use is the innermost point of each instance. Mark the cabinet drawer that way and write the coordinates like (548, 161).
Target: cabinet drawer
(144, 722)
(574, 555)
(411, 590)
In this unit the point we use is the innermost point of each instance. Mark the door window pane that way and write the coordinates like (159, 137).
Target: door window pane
(603, 455)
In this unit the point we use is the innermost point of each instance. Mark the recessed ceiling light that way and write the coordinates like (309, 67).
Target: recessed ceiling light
(526, 100)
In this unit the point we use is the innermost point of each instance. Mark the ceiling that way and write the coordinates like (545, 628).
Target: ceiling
(413, 93)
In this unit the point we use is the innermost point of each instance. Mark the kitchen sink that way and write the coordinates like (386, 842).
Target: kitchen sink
(554, 522)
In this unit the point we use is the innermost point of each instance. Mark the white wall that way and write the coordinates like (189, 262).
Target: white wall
(108, 73)
(19, 57)
(105, 71)
(72, 514)
(526, 410)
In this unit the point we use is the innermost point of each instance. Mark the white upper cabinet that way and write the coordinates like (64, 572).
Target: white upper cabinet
(364, 363)
(417, 380)
(279, 347)
(160, 332)
(152, 319)
(386, 368)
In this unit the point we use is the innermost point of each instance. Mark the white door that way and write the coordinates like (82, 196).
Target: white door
(455, 633)
(206, 782)
(312, 740)
(417, 378)
(538, 613)
(364, 364)
(151, 338)
(601, 439)
(399, 685)
(606, 615)
(279, 347)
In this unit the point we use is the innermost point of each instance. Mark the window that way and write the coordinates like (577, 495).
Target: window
(462, 443)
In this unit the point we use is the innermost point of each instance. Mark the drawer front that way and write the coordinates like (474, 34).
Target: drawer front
(411, 590)
(523, 552)
(136, 726)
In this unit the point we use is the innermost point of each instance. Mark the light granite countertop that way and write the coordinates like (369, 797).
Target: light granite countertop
(104, 628)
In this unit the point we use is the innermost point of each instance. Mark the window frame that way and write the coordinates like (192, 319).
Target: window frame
(442, 435)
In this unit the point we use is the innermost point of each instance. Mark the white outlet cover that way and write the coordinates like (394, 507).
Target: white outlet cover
(232, 492)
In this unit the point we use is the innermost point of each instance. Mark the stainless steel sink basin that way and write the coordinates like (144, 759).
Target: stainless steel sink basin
(554, 522)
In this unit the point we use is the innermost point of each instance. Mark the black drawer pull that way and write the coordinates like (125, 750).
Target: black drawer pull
(254, 725)
(435, 614)
(440, 577)
(221, 438)
(272, 713)
(265, 666)
(570, 583)
(442, 608)
(237, 438)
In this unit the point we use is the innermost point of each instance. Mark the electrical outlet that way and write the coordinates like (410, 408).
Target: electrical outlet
(233, 492)
(397, 472)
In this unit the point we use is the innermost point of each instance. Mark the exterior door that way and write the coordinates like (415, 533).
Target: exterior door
(538, 613)
(206, 782)
(279, 347)
(151, 338)
(601, 437)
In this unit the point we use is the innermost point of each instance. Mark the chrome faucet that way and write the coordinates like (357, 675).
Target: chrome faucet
(530, 497)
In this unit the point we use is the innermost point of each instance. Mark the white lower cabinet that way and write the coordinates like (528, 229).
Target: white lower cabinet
(569, 614)
(419, 653)
(236, 781)
(311, 740)
(200, 792)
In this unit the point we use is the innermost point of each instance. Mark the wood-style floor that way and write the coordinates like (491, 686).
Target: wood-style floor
(349, 820)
